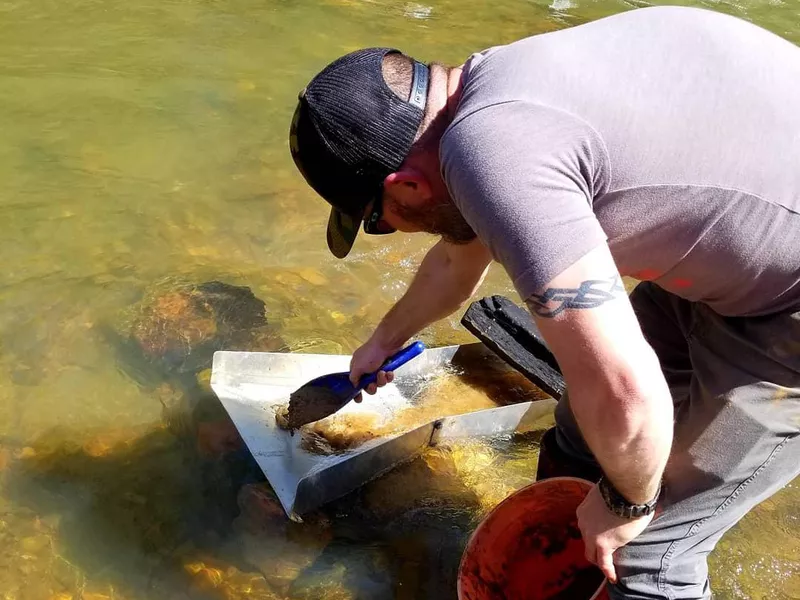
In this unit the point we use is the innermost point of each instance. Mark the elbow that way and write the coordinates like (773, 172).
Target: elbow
(629, 405)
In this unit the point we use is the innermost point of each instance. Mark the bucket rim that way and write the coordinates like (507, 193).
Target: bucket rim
(600, 588)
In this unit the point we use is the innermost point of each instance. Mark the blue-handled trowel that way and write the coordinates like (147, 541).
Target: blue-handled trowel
(323, 396)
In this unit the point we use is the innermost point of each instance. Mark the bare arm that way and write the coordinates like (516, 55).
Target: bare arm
(447, 277)
(617, 391)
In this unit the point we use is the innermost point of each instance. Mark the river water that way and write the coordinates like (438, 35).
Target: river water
(143, 148)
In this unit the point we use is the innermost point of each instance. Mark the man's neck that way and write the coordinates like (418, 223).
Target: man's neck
(442, 103)
(454, 87)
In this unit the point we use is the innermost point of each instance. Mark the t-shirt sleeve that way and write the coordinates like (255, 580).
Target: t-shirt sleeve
(524, 176)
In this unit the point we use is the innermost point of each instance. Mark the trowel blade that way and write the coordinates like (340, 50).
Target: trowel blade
(315, 401)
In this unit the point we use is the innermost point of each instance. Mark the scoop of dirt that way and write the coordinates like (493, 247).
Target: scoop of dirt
(337, 433)
(311, 404)
(332, 435)
(282, 418)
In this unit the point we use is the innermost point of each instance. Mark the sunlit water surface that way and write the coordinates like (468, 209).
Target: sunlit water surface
(143, 149)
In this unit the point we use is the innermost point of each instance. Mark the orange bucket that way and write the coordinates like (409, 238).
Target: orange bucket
(530, 548)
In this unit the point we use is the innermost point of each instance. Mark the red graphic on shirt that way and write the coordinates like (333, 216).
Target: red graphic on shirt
(681, 283)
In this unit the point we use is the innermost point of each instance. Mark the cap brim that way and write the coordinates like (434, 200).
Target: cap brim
(342, 232)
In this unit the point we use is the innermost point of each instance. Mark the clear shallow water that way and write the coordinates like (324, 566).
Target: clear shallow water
(143, 145)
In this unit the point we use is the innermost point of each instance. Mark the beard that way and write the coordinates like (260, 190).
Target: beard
(442, 219)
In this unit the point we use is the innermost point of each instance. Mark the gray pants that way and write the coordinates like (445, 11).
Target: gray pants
(736, 388)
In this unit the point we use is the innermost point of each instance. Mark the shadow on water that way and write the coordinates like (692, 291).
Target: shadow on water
(123, 499)
(140, 510)
(480, 368)
(181, 509)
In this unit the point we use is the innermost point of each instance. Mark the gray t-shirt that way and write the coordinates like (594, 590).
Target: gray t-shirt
(671, 133)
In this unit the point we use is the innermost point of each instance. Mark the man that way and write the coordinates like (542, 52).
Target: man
(662, 144)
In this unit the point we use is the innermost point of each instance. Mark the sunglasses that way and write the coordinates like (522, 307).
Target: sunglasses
(374, 224)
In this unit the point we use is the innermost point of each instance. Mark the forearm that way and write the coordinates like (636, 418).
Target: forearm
(446, 279)
(627, 421)
(617, 391)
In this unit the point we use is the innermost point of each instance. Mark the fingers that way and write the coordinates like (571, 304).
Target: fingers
(605, 560)
(590, 551)
(359, 365)
(358, 398)
(589, 547)
(381, 380)
(356, 373)
(595, 553)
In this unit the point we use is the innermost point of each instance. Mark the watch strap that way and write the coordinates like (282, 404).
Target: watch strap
(620, 506)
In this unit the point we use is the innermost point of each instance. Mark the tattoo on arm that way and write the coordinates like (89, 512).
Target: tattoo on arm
(590, 294)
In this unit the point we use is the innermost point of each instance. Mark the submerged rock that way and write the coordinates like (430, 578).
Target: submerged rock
(344, 571)
(279, 548)
(179, 330)
(166, 343)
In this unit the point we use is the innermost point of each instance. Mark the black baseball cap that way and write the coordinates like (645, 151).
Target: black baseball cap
(350, 131)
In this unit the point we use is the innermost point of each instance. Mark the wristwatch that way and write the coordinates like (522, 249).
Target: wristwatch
(618, 505)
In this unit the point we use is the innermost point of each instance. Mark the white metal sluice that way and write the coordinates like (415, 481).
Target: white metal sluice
(251, 385)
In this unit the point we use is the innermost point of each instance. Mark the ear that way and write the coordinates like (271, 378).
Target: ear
(408, 184)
